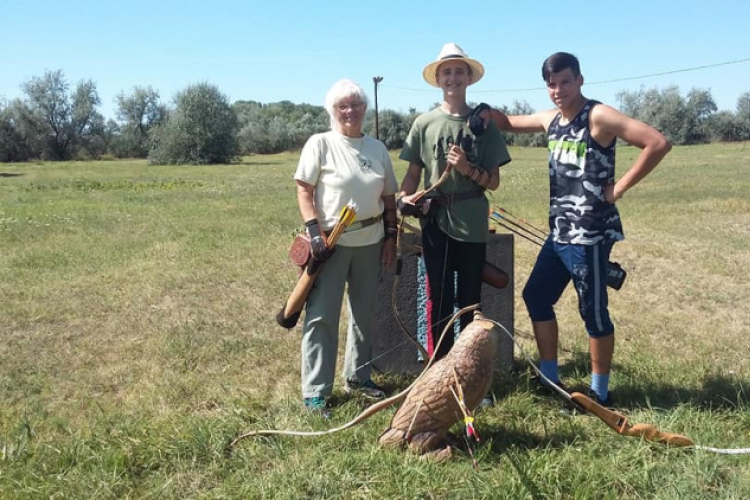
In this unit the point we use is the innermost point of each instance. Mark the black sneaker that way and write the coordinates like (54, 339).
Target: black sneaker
(318, 405)
(571, 408)
(546, 387)
(594, 397)
(368, 389)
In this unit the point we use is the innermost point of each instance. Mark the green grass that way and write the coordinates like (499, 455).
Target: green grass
(137, 340)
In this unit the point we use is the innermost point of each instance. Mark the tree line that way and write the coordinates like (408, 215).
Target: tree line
(55, 121)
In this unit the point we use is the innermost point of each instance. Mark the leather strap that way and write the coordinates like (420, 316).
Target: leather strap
(361, 224)
(445, 200)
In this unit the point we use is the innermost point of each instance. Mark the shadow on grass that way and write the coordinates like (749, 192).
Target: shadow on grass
(716, 393)
(502, 438)
(8, 174)
(392, 384)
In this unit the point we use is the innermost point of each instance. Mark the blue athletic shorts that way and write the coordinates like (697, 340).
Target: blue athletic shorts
(586, 265)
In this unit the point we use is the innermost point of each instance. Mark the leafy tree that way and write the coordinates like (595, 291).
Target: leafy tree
(312, 122)
(276, 127)
(201, 130)
(688, 120)
(138, 112)
(393, 126)
(665, 110)
(668, 112)
(104, 138)
(630, 102)
(14, 145)
(701, 106)
(254, 138)
(743, 115)
(724, 127)
(701, 103)
(261, 130)
(61, 122)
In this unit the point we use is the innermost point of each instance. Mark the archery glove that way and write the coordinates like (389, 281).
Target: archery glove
(421, 209)
(318, 247)
(476, 123)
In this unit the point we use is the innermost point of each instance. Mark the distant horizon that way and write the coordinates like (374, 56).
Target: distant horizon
(476, 97)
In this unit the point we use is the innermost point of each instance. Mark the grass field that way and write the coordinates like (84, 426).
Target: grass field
(137, 340)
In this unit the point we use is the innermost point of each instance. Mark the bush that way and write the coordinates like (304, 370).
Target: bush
(14, 143)
(725, 127)
(202, 129)
(276, 127)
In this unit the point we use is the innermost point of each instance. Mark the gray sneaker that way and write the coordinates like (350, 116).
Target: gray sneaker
(487, 402)
(368, 389)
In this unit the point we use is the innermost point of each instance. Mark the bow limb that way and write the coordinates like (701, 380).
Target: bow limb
(440, 181)
(620, 424)
(394, 302)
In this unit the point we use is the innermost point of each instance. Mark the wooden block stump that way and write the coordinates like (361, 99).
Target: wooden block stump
(393, 352)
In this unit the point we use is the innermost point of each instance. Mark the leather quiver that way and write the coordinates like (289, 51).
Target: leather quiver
(300, 251)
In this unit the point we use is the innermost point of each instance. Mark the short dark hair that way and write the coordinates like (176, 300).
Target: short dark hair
(560, 61)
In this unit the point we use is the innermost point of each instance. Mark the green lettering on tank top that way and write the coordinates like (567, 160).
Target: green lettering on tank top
(568, 146)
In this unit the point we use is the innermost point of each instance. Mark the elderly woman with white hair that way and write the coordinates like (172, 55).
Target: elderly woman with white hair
(335, 167)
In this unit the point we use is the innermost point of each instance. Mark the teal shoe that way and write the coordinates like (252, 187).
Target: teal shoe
(318, 405)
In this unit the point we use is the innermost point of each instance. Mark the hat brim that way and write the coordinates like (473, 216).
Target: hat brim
(429, 73)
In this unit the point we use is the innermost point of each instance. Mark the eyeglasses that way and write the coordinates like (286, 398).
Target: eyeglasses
(354, 106)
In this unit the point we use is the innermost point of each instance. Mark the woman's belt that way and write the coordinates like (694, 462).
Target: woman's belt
(361, 224)
(300, 251)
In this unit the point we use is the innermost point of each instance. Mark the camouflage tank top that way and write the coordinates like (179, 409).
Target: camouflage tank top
(579, 170)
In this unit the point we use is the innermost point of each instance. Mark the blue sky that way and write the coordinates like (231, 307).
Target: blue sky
(294, 50)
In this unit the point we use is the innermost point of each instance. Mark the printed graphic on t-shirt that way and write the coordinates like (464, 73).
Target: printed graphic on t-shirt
(364, 163)
(464, 140)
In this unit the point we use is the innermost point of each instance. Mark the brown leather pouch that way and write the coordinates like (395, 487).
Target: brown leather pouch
(300, 251)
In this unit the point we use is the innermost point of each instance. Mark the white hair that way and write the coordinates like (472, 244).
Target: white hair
(340, 90)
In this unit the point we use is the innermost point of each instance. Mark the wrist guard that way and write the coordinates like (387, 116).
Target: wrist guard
(318, 245)
(480, 177)
(390, 228)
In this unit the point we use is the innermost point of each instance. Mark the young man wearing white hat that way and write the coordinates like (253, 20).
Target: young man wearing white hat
(460, 162)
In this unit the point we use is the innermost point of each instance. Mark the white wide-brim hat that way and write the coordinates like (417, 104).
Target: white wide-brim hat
(451, 51)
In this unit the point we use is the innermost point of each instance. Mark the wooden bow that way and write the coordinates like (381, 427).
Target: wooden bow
(619, 423)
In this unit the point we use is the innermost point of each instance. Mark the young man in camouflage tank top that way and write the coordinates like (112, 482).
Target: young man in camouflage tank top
(583, 219)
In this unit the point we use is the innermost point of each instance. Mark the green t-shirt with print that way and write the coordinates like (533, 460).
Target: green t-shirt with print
(428, 143)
